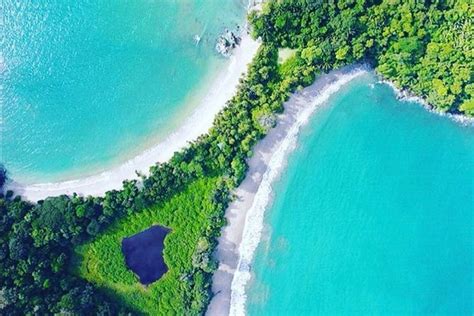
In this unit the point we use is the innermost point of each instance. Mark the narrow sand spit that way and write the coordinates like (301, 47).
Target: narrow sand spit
(241, 236)
(220, 91)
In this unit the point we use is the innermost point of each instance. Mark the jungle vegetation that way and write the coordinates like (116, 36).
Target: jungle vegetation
(425, 47)
(59, 256)
(194, 218)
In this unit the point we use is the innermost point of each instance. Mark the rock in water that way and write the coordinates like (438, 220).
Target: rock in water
(227, 42)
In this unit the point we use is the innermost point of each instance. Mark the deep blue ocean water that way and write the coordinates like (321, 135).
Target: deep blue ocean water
(373, 215)
(87, 84)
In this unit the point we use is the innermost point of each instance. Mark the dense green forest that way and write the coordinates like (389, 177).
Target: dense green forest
(45, 246)
(52, 253)
(193, 217)
(423, 46)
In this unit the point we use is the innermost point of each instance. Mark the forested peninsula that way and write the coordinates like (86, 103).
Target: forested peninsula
(61, 255)
(423, 46)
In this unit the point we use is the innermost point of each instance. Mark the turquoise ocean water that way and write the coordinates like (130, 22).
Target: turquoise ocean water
(373, 215)
(87, 84)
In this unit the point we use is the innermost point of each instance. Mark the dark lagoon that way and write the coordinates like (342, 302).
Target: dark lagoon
(144, 253)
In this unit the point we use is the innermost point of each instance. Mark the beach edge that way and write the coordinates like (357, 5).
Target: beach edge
(227, 296)
(221, 90)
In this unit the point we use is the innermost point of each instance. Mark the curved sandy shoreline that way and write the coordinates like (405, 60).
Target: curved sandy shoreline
(199, 122)
(239, 239)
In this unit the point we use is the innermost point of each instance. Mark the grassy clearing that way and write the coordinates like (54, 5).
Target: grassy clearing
(284, 54)
(191, 215)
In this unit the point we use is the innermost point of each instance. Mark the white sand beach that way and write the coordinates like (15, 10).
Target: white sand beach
(198, 123)
(241, 236)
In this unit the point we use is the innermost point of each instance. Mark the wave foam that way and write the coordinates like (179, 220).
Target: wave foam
(220, 90)
(254, 220)
(407, 96)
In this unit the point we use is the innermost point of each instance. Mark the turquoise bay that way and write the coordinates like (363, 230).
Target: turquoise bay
(92, 83)
(373, 215)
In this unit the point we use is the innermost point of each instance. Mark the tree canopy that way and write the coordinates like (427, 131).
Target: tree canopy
(426, 47)
(423, 46)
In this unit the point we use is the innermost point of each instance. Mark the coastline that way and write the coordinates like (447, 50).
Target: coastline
(241, 236)
(221, 89)
(408, 96)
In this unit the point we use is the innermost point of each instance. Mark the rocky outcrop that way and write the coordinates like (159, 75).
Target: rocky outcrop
(227, 42)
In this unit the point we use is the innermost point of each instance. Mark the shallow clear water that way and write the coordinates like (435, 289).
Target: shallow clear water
(373, 215)
(86, 84)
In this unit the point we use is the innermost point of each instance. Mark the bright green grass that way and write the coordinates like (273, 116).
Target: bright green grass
(189, 215)
(284, 54)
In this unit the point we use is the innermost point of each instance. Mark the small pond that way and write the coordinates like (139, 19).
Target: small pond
(144, 253)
